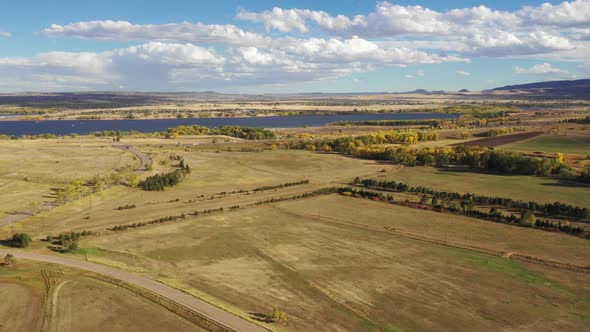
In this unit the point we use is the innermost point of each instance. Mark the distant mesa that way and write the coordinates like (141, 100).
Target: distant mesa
(464, 90)
(547, 85)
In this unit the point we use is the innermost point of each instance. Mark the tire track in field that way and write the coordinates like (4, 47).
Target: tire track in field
(424, 239)
(228, 321)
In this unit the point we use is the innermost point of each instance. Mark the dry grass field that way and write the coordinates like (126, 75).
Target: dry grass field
(519, 187)
(331, 265)
(86, 304)
(30, 168)
(80, 303)
(240, 170)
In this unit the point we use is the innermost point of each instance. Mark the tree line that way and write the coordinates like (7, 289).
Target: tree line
(354, 145)
(466, 208)
(584, 120)
(555, 209)
(283, 185)
(232, 131)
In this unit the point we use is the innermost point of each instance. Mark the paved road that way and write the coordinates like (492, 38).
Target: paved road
(215, 314)
(143, 158)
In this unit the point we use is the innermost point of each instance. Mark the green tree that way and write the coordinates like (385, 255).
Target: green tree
(21, 240)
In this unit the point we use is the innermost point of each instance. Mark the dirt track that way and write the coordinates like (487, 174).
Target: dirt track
(491, 142)
(205, 309)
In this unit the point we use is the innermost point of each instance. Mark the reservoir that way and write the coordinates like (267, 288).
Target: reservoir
(83, 127)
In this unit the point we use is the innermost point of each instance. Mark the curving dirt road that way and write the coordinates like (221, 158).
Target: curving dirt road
(145, 160)
(205, 309)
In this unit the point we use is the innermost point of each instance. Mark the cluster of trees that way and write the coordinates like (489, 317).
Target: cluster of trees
(467, 208)
(473, 157)
(69, 241)
(361, 144)
(283, 185)
(584, 120)
(555, 209)
(233, 131)
(495, 132)
(79, 188)
(158, 182)
(19, 240)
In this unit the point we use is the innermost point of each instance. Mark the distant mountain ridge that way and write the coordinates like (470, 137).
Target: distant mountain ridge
(546, 85)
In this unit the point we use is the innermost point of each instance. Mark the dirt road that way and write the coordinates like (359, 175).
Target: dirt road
(145, 160)
(491, 142)
(205, 309)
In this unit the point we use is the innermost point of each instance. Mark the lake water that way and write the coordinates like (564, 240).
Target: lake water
(83, 127)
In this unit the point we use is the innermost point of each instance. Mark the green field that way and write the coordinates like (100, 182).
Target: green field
(330, 264)
(520, 187)
(567, 144)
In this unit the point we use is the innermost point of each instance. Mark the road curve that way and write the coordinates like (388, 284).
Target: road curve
(205, 309)
(145, 160)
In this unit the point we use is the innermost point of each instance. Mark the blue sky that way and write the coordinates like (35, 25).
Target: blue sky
(290, 46)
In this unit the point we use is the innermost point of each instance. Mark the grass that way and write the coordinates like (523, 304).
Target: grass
(83, 303)
(29, 169)
(109, 307)
(329, 263)
(575, 143)
(239, 171)
(21, 291)
(528, 188)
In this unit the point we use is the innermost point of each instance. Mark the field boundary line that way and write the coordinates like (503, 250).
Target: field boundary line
(416, 237)
(174, 307)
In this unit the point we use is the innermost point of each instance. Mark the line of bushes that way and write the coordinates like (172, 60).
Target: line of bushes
(466, 208)
(283, 185)
(555, 209)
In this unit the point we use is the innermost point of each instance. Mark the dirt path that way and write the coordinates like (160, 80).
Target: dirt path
(205, 309)
(501, 140)
(145, 162)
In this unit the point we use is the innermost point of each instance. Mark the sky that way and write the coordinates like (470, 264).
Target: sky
(239, 46)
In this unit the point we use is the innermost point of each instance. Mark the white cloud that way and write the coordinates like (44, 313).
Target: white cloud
(565, 14)
(540, 69)
(151, 65)
(463, 73)
(409, 76)
(174, 32)
(477, 31)
(5, 34)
